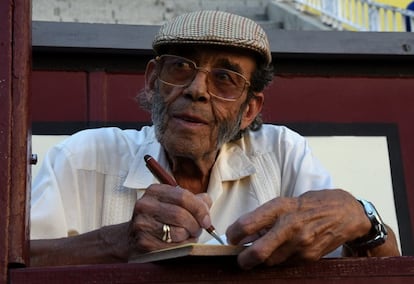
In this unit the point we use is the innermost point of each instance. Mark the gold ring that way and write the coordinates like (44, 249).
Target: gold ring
(167, 233)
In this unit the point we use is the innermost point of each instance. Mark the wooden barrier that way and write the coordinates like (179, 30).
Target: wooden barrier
(225, 270)
(15, 54)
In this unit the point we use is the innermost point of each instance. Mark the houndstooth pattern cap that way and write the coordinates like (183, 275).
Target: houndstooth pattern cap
(214, 27)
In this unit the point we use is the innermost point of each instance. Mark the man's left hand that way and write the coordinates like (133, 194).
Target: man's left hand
(304, 228)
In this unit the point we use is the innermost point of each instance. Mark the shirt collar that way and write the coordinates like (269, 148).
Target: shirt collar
(139, 176)
(232, 164)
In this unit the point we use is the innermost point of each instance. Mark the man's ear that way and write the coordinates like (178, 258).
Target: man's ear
(150, 79)
(253, 108)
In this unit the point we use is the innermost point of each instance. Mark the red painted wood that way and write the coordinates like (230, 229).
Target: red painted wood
(97, 107)
(5, 130)
(219, 270)
(79, 96)
(15, 51)
(21, 136)
(59, 96)
(122, 91)
(340, 99)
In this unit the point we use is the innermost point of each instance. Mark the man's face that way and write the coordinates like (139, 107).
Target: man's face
(189, 121)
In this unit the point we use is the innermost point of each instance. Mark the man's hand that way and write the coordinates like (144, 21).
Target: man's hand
(184, 212)
(299, 229)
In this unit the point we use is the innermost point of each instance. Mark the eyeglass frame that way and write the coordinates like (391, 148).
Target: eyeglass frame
(205, 70)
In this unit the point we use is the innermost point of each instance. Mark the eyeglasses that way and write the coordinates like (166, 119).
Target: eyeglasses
(222, 83)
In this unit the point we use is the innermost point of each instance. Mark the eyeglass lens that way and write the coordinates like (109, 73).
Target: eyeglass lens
(179, 71)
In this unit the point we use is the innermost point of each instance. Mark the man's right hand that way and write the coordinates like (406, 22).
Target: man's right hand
(185, 214)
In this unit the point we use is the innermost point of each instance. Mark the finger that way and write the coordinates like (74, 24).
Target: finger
(205, 198)
(295, 236)
(150, 207)
(280, 242)
(196, 206)
(178, 234)
(144, 234)
(293, 252)
(317, 238)
(176, 216)
(248, 226)
(147, 234)
(266, 246)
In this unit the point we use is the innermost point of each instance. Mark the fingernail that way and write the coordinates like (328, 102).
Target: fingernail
(206, 223)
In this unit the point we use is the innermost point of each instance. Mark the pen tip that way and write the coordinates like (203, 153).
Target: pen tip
(147, 157)
(212, 231)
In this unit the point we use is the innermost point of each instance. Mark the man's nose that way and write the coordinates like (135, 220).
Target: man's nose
(198, 87)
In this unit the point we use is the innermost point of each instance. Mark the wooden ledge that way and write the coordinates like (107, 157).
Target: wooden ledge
(225, 270)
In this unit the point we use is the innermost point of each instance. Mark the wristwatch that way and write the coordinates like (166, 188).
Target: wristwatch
(378, 233)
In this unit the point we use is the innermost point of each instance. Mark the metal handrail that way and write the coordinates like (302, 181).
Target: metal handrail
(358, 15)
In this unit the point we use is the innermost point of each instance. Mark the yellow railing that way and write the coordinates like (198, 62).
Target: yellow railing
(358, 15)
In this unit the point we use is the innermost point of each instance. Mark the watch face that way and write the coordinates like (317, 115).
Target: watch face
(369, 208)
(372, 213)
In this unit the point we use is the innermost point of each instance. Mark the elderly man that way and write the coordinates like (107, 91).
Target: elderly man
(256, 183)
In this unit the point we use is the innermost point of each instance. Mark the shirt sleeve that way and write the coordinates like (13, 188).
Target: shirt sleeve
(47, 214)
(79, 185)
(302, 171)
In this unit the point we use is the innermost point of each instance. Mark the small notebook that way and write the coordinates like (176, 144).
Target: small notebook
(191, 249)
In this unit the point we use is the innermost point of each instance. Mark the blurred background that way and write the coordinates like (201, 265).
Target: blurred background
(355, 15)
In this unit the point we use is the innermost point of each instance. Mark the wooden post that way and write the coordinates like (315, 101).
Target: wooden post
(15, 56)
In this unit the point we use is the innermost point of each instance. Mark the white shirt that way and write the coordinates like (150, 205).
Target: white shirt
(94, 177)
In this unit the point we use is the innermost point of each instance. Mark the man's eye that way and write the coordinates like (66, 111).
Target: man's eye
(182, 65)
(223, 76)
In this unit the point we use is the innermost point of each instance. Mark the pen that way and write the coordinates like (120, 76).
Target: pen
(164, 177)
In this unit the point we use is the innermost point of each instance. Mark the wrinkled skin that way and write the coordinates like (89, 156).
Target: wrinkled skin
(300, 229)
(163, 204)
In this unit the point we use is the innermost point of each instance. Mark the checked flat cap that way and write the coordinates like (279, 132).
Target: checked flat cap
(217, 28)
